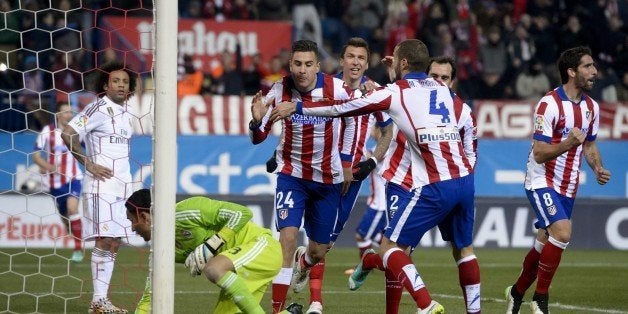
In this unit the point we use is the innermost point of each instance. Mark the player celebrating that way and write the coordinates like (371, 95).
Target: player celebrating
(106, 127)
(398, 173)
(311, 169)
(566, 124)
(217, 239)
(354, 61)
(373, 222)
(441, 134)
(64, 175)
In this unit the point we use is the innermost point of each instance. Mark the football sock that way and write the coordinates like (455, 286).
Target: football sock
(76, 227)
(364, 245)
(316, 281)
(307, 261)
(548, 263)
(401, 267)
(280, 287)
(530, 268)
(102, 269)
(469, 277)
(393, 293)
(371, 261)
(235, 288)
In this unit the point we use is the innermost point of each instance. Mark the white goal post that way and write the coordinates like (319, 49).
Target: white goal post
(164, 155)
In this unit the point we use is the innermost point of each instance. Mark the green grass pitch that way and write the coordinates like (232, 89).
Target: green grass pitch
(588, 281)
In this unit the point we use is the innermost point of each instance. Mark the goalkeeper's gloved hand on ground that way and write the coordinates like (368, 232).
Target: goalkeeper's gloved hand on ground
(271, 164)
(365, 168)
(196, 261)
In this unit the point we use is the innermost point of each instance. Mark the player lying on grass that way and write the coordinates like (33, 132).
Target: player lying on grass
(217, 239)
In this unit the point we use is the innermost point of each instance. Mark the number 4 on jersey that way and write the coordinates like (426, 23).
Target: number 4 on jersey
(438, 109)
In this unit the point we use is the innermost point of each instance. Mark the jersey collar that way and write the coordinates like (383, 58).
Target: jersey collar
(563, 95)
(415, 76)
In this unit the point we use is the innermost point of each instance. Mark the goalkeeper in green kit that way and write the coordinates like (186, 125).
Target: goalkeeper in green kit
(217, 239)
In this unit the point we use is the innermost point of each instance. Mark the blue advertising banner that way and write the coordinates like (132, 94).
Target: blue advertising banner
(232, 165)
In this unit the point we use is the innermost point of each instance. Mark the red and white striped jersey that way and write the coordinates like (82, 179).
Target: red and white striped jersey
(555, 116)
(49, 141)
(106, 129)
(363, 127)
(310, 147)
(397, 165)
(364, 124)
(439, 126)
(377, 197)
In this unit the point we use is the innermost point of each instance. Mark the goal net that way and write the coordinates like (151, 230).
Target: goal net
(51, 52)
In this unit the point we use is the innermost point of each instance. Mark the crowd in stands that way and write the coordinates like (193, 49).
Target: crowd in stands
(503, 49)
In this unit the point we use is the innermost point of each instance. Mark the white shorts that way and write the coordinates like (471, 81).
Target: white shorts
(105, 216)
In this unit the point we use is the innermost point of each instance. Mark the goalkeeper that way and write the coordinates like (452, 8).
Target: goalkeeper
(217, 239)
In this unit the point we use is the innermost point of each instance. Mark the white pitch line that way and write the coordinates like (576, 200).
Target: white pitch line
(438, 295)
(419, 264)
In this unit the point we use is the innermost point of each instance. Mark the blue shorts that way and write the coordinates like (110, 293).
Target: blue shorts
(373, 223)
(549, 206)
(447, 204)
(72, 189)
(347, 202)
(314, 203)
(396, 197)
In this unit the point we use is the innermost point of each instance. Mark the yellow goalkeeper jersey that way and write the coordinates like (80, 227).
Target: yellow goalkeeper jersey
(199, 218)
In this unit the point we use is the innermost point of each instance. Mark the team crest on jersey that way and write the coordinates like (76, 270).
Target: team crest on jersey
(589, 115)
(104, 227)
(186, 234)
(283, 214)
(551, 210)
(539, 121)
(81, 121)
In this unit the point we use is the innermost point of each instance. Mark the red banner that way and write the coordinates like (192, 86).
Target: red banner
(205, 40)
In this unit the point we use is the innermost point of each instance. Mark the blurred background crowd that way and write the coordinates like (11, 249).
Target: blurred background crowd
(503, 49)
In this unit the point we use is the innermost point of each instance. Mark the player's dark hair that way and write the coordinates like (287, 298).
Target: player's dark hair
(105, 71)
(305, 45)
(138, 202)
(570, 59)
(356, 42)
(416, 54)
(443, 60)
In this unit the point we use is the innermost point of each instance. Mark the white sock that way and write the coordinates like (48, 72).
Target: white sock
(473, 298)
(283, 277)
(102, 269)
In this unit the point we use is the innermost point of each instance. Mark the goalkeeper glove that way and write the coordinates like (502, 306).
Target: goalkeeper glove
(365, 168)
(271, 164)
(196, 261)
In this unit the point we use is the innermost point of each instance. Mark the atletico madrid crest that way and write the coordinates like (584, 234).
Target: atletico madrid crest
(283, 214)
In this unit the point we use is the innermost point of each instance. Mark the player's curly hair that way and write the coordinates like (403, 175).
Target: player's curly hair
(139, 202)
(112, 66)
(570, 59)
